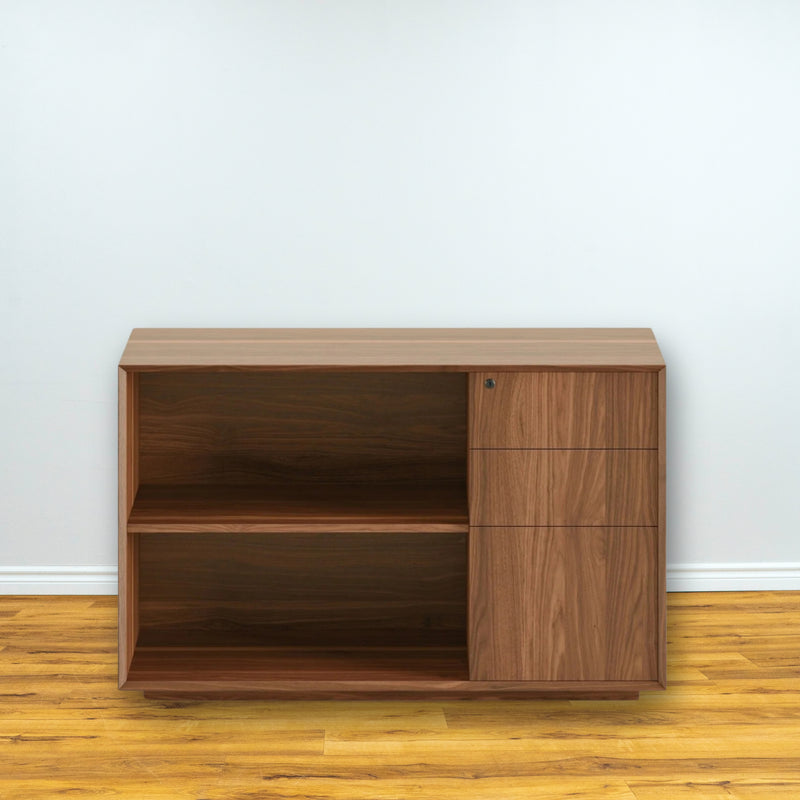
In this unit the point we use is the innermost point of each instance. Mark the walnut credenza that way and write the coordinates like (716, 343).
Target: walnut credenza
(392, 513)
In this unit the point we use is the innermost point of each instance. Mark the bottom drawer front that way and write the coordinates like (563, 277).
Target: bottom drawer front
(563, 604)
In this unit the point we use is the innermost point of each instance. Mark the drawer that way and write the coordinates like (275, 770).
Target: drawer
(563, 604)
(563, 487)
(564, 409)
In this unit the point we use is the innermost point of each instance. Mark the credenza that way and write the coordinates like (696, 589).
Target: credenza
(371, 513)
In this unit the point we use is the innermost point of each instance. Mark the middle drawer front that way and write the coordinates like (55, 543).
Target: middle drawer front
(563, 487)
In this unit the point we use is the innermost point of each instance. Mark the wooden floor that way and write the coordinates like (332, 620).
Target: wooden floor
(728, 726)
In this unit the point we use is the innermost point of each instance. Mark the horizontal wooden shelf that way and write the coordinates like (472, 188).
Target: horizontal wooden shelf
(439, 507)
(299, 663)
(323, 672)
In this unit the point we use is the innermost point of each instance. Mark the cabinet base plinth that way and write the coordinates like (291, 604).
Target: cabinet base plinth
(355, 694)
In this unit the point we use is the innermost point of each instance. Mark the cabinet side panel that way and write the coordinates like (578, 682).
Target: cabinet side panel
(555, 604)
(661, 567)
(128, 482)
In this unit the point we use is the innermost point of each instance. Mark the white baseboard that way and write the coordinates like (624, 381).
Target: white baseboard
(733, 577)
(58, 580)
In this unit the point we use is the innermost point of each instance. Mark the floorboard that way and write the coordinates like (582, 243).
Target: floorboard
(727, 728)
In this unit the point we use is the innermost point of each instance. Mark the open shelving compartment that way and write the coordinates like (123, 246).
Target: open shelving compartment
(291, 528)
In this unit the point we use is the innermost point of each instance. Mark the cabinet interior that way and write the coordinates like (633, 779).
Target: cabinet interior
(284, 514)
(258, 428)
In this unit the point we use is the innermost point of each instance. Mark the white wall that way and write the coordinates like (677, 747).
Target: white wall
(243, 163)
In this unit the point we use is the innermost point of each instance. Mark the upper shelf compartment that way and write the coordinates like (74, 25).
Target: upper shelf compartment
(261, 451)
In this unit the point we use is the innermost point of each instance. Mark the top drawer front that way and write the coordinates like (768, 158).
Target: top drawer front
(564, 409)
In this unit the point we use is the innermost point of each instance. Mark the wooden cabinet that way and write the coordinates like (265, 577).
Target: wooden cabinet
(389, 512)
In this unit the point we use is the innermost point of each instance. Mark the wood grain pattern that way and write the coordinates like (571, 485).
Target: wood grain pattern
(426, 507)
(341, 589)
(383, 688)
(395, 690)
(725, 727)
(250, 427)
(295, 665)
(564, 410)
(562, 604)
(400, 335)
(128, 485)
(339, 673)
(661, 574)
(415, 349)
(563, 487)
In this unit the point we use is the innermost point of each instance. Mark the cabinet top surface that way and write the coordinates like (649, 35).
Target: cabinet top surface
(452, 349)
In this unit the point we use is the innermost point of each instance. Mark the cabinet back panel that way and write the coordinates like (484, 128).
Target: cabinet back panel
(240, 428)
(348, 589)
